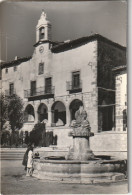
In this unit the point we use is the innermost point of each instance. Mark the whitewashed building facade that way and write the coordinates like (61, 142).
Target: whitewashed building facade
(60, 75)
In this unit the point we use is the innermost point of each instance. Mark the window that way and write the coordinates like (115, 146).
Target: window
(0, 74)
(124, 120)
(41, 68)
(48, 84)
(6, 70)
(11, 88)
(33, 88)
(41, 33)
(75, 79)
(15, 68)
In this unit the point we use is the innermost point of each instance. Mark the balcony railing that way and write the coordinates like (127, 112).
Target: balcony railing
(41, 91)
(10, 92)
(71, 87)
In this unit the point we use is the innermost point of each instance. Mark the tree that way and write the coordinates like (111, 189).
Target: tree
(5, 137)
(7, 126)
(21, 137)
(37, 135)
(3, 109)
(11, 108)
(15, 112)
(26, 137)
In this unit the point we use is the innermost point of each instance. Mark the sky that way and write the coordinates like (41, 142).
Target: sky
(70, 20)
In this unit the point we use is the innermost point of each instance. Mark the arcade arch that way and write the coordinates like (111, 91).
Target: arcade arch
(29, 115)
(74, 106)
(42, 112)
(58, 110)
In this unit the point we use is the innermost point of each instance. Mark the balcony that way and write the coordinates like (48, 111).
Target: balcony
(10, 92)
(39, 93)
(74, 88)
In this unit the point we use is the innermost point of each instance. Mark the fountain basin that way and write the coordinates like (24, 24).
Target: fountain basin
(92, 171)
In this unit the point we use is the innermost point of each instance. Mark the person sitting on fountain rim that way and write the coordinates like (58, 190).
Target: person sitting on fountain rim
(81, 118)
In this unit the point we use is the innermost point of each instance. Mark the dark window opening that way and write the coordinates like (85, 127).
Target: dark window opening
(124, 120)
(48, 85)
(75, 80)
(33, 88)
(6, 70)
(41, 33)
(15, 68)
(105, 118)
(41, 68)
(11, 88)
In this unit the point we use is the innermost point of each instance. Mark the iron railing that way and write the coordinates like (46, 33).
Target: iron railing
(10, 92)
(39, 91)
(71, 86)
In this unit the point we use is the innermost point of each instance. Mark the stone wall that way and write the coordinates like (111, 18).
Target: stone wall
(121, 100)
(59, 66)
(109, 56)
(63, 140)
(105, 143)
(110, 143)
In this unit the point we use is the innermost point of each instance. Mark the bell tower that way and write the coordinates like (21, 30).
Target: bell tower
(43, 28)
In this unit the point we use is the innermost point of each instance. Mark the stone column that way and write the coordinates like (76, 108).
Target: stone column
(119, 115)
(49, 117)
(113, 117)
(37, 35)
(68, 117)
(36, 115)
(46, 32)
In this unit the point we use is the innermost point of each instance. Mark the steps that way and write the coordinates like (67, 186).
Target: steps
(12, 154)
(18, 153)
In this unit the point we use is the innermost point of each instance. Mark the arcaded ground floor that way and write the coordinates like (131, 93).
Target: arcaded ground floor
(112, 143)
(14, 181)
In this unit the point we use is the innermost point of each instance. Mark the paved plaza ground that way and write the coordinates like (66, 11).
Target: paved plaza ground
(14, 181)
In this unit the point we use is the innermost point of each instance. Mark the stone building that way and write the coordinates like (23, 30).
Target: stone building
(60, 75)
(121, 97)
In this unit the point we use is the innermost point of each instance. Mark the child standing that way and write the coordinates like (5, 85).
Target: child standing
(30, 162)
(25, 157)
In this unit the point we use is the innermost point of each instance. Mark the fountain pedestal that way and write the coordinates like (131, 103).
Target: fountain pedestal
(81, 147)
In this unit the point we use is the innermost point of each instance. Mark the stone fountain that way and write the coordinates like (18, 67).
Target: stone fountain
(80, 165)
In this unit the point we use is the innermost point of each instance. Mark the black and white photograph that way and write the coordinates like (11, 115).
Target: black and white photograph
(63, 97)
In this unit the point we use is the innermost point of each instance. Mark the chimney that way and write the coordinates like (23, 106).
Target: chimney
(67, 41)
(16, 57)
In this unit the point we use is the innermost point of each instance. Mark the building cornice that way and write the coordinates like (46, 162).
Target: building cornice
(84, 40)
(15, 62)
(47, 41)
(58, 47)
(119, 68)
